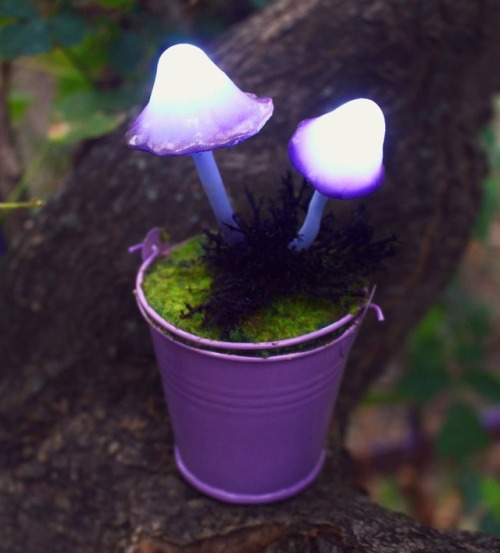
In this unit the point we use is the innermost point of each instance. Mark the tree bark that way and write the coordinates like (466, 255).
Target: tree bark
(86, 451)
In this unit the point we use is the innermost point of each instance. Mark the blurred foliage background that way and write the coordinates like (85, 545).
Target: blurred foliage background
(70, 71)
(426, 440)
(436, 415)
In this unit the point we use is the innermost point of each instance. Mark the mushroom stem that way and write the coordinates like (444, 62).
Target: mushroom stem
(214, 188)
(310, 228)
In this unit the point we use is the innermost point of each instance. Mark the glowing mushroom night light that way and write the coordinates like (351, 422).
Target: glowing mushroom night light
(195, 108)
(242, 320)
(340, 154)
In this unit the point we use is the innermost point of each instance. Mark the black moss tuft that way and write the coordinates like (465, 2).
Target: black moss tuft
(261, 268)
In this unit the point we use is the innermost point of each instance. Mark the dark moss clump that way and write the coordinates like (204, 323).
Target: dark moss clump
(261, 268)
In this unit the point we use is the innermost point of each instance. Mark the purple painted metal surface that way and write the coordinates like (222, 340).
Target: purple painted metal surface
(247, 429)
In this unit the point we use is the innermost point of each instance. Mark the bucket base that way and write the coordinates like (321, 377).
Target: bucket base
(248, 499)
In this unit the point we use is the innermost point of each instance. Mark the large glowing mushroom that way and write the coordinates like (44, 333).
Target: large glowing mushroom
(195, 108)
(340, 154)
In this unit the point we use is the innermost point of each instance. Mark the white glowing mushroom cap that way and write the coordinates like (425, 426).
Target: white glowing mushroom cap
(340, 153)
(195, 107)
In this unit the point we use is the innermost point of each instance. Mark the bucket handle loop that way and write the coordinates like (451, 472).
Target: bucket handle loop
(155, 243)
(378, 311)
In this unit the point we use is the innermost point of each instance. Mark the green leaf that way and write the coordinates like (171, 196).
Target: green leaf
(389, 495)
(489, 205)
(489, 524)
(78, 105)
(67, 29)
(484, 383)
(125, 53)
(461, 433)
(490, 491)
(115, 3)
(427, 351)
(470, 489)
(259, 4)
(488, 136)
(24, 39)
(479, 320)
(469, 353)
(69, 76)
(468, 318)
(17, 9)
(18, 103)
(420, 384)
(427, 344)
(97, 124)
(382, 397)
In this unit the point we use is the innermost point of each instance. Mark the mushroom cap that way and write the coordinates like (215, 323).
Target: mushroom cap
(195, 107)
(340, 153)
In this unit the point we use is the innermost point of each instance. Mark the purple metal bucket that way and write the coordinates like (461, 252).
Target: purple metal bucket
(247, 429)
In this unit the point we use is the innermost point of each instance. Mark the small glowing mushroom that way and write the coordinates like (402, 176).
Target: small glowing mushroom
(340, 154)
(195, 108)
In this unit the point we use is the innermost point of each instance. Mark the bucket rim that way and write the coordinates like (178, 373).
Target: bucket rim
(153, 248)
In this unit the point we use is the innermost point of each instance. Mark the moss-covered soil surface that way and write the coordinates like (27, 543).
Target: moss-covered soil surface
(182, 280)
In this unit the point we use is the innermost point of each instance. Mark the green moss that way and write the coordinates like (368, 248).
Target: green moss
(182, 279)
(286, 318)
(179, 280)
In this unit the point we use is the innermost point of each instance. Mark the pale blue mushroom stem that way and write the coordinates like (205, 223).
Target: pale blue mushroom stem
(214, 187)
(310, 228)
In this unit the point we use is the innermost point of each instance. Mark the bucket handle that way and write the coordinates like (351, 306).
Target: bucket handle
(378, 311)
(155, 243)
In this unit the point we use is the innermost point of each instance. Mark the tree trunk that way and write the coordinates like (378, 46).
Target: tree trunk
(86, 451)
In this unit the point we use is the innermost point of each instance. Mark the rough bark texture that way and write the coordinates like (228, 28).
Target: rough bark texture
(86, 451)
